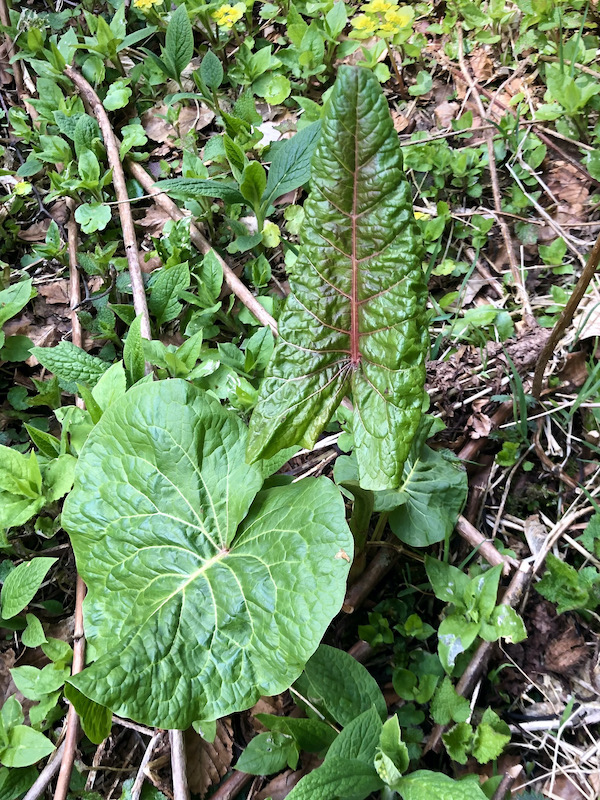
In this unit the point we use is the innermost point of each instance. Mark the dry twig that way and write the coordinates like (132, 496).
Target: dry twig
(489, 138)
(484, 546)
(566, 316)
(46, 775)
(376, 571)
(232, 786)
(114, 160)
(136, 789)
(181, 790)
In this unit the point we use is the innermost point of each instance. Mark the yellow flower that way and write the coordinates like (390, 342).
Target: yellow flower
(21, 188)
(421, 215)
(387, 29)
(364, 24)
(401, 17)
(378, 6)
(226, 16)
(146, 5)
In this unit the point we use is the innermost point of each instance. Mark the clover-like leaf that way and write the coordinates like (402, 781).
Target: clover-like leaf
(355, 319)
(202, 596)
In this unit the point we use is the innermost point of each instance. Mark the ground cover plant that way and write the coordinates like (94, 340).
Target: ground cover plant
(299, 399)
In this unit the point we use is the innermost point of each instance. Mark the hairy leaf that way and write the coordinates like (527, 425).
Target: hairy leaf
(71, 365)
(190, 188)
(200, 597)
(424, 785)
(355, 320)
(22, 583)
(347, 778)
(290, 167)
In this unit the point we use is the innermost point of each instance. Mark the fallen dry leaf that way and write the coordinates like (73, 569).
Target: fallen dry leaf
(55, 293)
(36, 232)
(208, 762)
(445, 112)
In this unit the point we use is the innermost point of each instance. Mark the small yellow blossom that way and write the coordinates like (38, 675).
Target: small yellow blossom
(401, 17)
(387, 29)
(146, 5)
(226, 16)
(421, 215)
(378, 6)
(21, 188)
(364, 24)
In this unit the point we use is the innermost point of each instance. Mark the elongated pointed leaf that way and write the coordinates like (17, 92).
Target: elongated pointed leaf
(355, 320)
(201, 596)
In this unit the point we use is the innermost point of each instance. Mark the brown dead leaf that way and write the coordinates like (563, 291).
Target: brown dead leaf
(445, 112)
(196, 116)
(574, 371)
(148, 263)
(480, 425)
(566, 652)
(154, 220)
(155, 124)
(42, 336)
(208, 762)
(59, 211)
(7, 662)
(55, 293)
(36, 232)
(281, 785)
(482, 65)
(157, 128)
(564, 787)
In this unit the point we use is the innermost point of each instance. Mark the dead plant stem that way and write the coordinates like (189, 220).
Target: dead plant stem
(114, 160)
(566, 316)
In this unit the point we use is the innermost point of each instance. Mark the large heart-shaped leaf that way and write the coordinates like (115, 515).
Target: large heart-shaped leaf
(202, 596)
(355, 319)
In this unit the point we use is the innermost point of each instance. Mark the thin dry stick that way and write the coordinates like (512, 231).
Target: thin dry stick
(72, 723)
(510, 776)
(377, 569)
(566, 316)
(232, 786)
(484, 546)
(146, 181)
(114, 160)
(46, 775)
(136, 789)
(581, 67)
(471, 675)
(489, 138)
(181, 790)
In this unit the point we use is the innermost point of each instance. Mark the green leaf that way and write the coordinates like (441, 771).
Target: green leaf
(291, 164)
(19, 474)
(111, 386)
(133, 352)
(355, 319)
(71, 365)
(268, 753)
(33, 635)
(350, 779)
(191, 188)
(58, 477)
(199, 599)
(447, 705)
(273, 87)
(117, 96)
(449, 583)
(35, 683)
(13, 299)
(92, 217)
(254, 180)
(425, 785)
(569, 589)
(392, 758)
(358, 740)
(211, 70)
(25, 747)
(423, 84)
(458, 741)
(96, 720)
(179, 41)
(336, 683)
(491, 737)
(15, 782)
(455, 636)
(504, 623)
(310, 735)
(22, 583)
(167, 285)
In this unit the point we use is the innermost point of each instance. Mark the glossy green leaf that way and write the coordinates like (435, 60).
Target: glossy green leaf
(336, 684)
(201, 596)
(268, 753)
(22, 583)
(355, 319)
(179, 41)
(311, 735)
(425, 785)
(190, 188)
(347, 778)
(25, 747)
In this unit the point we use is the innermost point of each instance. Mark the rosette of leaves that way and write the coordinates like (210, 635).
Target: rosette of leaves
(355, 319)
(204, 592)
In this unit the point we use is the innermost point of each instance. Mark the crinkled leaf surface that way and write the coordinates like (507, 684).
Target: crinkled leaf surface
(355, 319)
(202, 596)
